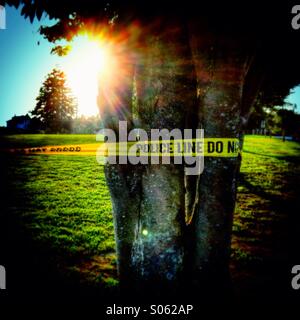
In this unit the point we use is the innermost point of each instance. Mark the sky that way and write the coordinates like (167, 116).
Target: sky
(25, 61)
(24, 65)
(294, 98)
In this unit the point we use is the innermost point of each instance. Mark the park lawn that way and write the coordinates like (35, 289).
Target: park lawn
(40, 140)
(64, 204)
(267, 196)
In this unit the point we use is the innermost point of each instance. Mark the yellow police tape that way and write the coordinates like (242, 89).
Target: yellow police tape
(209, 147)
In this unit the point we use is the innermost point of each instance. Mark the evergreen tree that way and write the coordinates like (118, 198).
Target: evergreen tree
(55, 106)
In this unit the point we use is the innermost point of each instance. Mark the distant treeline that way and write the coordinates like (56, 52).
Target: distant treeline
(27, 124)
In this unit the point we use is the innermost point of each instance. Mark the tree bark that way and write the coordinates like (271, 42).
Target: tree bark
(222, 66)
(171, 227)
(148, 200)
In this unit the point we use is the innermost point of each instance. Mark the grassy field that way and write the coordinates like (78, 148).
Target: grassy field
(40, 140)
(62, 203)
(267, 198)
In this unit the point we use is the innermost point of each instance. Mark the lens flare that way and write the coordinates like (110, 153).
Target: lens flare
(87, 60)
(99, 68)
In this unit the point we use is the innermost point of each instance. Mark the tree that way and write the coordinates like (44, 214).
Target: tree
(192, 67)
(87, 125)
(289, 123)
(55, 106)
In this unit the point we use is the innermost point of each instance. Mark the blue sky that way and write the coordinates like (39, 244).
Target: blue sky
(294, 98)
(24, 65)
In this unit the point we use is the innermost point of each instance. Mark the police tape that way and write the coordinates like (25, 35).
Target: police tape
(209, 147)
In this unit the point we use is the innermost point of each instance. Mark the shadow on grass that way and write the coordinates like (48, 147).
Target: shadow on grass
(292, 159)
(276, 221)
(36, 272)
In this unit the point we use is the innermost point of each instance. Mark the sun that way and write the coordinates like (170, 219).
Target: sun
(87, 60)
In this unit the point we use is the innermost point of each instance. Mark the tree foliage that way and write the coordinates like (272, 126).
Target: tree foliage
(87, 124)
(275, 45)
(55, 106)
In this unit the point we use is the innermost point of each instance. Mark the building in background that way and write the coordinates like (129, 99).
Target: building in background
(19, 123)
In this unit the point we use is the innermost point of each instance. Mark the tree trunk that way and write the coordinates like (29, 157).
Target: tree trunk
(168, 225)
(222, 65)
(283, 135)
(148, 200)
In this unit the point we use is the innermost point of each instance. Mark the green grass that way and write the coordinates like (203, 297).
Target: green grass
(40, 140)
(268, 188)
(64, 204)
